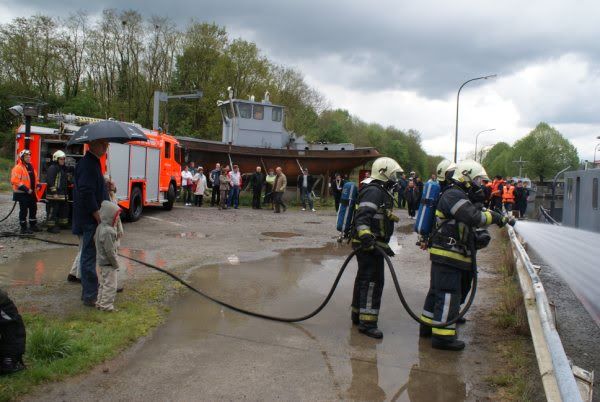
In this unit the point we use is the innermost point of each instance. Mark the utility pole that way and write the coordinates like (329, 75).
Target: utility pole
(521, 162)
(164, 97)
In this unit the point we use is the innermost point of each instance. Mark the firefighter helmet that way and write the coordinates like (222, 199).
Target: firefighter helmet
(444, 169)
(23, 153)
(386, 169)
(57, 155)
(469, 170)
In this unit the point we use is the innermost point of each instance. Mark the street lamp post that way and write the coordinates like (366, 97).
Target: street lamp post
(476, 138)
(457, 100)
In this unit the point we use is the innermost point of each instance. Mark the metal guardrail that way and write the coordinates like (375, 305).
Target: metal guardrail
(557, 375)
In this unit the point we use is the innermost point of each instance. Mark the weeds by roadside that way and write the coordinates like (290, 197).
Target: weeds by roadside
(5, 167)
(515, 378)
(62, 347)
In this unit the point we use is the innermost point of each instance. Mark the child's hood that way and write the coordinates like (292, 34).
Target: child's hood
(109, 212)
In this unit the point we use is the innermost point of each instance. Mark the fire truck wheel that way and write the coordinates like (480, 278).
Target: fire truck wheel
(135, 205)
(170, 198)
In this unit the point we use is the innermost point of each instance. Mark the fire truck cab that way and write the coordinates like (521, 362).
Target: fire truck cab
(145, 173)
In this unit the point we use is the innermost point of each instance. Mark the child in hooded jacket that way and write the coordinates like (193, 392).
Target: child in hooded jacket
(106, 255)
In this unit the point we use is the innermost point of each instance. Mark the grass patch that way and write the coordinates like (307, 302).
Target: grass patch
(6, 166)
(517, 378)
(61, 347)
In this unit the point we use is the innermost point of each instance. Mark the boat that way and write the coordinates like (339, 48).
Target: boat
(254, 134)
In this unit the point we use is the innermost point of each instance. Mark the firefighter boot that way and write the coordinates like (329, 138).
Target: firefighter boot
(370, 331)
(25, 230)
(447, 344)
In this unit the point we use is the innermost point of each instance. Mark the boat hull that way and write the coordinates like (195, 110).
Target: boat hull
(327, 163)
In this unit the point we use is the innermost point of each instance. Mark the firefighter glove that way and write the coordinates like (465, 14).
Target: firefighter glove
(498, 219)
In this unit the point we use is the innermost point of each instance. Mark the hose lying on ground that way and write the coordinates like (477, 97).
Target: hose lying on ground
(285, 319)
(10, 213)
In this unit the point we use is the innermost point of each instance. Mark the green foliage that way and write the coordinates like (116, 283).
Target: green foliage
(49, 343)
(5, 167)
(65, 346)
(545, 149)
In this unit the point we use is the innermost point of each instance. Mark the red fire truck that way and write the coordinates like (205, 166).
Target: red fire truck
(145, 173)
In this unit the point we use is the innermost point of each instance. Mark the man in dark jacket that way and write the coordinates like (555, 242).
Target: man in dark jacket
(215, 198)
(305, 184)
(12, 336)
(337, 185)
(57, 193)
(257, 181)
(89, 192)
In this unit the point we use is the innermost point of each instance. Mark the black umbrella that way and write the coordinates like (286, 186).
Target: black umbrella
(109, 130)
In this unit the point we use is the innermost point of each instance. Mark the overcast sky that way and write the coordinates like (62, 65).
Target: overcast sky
(401, 62)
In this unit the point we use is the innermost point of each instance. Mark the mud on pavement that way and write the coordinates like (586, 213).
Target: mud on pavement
(282, 264)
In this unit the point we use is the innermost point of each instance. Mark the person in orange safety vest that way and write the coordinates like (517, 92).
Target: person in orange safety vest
(24, 179)
(508, 196)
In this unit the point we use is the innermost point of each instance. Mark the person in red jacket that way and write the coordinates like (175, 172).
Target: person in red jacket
(24, 180)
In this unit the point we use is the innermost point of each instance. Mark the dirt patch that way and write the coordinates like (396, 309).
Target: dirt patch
(284, 235)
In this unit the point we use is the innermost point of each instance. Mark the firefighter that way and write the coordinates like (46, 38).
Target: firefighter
(373, 225)
(12, 336)
(24, 179)
(452, 247)
(57, 193)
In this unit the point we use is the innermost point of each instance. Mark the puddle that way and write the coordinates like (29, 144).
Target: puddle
(187, 235)
(406, 229)
(37, 268)
(47, 266)
(280, 234)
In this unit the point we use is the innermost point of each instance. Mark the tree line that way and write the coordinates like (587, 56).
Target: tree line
(545, 150)
(111, 66)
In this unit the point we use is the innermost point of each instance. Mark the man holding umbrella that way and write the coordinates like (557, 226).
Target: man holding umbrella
(89, 192)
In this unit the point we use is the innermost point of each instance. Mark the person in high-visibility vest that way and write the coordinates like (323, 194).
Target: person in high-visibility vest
(508, 196)
(23, 178)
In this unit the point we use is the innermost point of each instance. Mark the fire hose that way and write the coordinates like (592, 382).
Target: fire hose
(10, 213)
(387, 259)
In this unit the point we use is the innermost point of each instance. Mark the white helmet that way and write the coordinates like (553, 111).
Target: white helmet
(469, 170)
(385, 169)
(23, 153)
(445, 167)
(57, 155)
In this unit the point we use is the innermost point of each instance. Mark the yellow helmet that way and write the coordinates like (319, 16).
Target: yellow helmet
(386, 169)
(57, 155)
(445, 167)
(469, 170)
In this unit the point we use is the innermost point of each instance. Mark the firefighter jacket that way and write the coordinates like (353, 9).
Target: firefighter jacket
(58, 179)
(508, 194)
(23, 178)
(456, 220)
(374, 214)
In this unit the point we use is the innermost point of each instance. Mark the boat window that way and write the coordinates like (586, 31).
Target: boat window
(259, 112)
(276, 114)
(595, 194)
(245, 110)
(167, 150)
(570, 189)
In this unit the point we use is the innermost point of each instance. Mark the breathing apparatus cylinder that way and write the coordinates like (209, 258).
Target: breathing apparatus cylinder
(347, 206)
(426, 212)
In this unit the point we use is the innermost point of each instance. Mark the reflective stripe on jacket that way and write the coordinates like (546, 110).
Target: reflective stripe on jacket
(456, 217)
(20, 180)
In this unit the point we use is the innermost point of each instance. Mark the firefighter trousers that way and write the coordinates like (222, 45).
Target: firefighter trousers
(28, 206)
(58, 213)
(368, 287)
(442, 303)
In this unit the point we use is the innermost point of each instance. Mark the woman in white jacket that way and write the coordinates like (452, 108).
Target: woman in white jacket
(201, 186)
